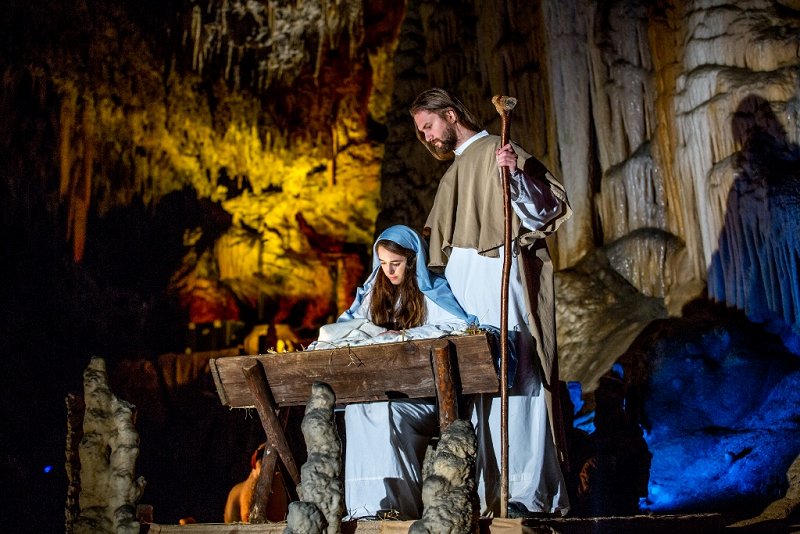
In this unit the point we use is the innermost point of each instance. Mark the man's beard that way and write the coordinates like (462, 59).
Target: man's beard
(448, 141)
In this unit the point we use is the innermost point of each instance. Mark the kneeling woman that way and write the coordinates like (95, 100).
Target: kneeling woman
(386, 441)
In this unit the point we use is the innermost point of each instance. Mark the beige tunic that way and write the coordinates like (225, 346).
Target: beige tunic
(468, 209)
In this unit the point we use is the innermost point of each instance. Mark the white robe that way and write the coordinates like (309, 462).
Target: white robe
(534, 479)
(386, 441)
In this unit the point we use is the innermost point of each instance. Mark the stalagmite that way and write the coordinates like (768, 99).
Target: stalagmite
(75, 409)
(108, 452)
(449, 498)
(320, 490)
(305, 518)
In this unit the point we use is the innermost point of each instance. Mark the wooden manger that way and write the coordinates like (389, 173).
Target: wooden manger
(442, 368)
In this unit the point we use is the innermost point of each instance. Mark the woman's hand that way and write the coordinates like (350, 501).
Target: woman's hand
(506, 157)
(389, 332)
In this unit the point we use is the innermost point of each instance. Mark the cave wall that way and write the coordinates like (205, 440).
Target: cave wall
(641, 110)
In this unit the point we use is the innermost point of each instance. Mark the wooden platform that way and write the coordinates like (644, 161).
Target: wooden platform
(640, 524)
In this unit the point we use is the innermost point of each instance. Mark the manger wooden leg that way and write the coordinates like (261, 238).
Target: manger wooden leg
(262, 397)
(269, 487)
(445, 389)
(258, 506)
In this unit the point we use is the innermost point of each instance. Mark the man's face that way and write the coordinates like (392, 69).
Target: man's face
(437, 132)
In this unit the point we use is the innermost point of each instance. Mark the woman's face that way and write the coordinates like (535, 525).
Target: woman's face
(393, 265)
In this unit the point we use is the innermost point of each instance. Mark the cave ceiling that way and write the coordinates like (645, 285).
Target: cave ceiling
(269, 113)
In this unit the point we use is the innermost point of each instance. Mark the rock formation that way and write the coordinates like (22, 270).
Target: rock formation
(449, 498)
(717, 399)
(156, 156)
(108, 451)
(320, 483)
(305, 518)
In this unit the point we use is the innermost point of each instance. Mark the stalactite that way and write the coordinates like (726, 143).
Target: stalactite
(229, 59)
(631, 197)
(334, 152)
(380, 98)
(82, 194)
(444, 57)
(68, 112)
(77, 165)
(756, 266)
(277, 35)
(196, 33)
(322, 32)
(570, 78)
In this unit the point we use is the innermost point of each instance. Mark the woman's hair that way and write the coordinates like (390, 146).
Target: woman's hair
(439, 101)
(399, 306)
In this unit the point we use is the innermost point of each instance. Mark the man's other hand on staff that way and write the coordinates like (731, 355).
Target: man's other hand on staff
(506, 157)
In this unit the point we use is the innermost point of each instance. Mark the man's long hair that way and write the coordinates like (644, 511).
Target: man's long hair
(401, 306)
(439, 101)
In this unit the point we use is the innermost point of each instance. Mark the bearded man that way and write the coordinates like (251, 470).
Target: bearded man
(466, 233)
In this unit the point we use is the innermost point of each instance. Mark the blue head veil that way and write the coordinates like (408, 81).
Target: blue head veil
(432, 285)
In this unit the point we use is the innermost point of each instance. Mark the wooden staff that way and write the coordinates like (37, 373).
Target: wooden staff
(504, 105)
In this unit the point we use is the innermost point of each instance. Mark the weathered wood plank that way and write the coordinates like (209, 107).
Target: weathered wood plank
(359, 374)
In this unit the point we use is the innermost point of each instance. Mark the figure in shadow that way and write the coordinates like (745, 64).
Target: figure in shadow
(614, 460)
(757, 263)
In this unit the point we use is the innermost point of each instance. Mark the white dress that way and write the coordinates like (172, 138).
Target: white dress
(386, 442)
